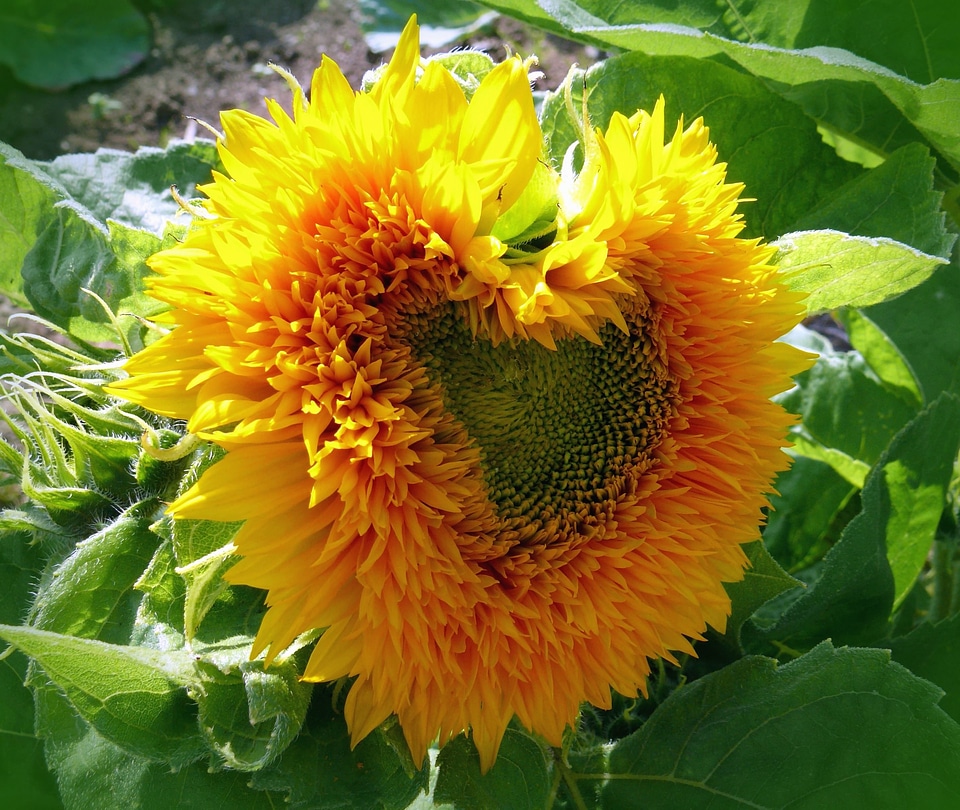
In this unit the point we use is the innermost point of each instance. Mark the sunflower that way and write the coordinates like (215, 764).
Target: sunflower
(497, 429)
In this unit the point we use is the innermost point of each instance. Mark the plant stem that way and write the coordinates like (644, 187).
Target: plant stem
(943, 580)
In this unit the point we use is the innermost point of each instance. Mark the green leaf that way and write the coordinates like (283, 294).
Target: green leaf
(808, 498)
(88, 594)
(851, 600)
(915, 472)
(883, 549)
(248, 716)
(90, 767)
(56, 43)
(931, 353)
(135, 696)
(932, 651)
(58, 248)
(762, 581)
(835, 728)
(25, 195)
(836, 269)
(72, 253)
(895, 200)
(769, 145)
(519, 779)
(841, 90)
(849, 414)
(26, 781)
(319, 771)
(134, 188)
(199, 547)
(922, 50)
(881, 355)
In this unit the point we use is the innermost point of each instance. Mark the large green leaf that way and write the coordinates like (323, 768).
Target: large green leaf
(932, 651)
(842, 90)
(320, 771)
(851, 599)
(56, 249)
(835, 728)
(25, 779)
(90, 767)
(895, 200)
(134, 188)
(55, 43)
(26, 195)
(135, 696)
(768, 144)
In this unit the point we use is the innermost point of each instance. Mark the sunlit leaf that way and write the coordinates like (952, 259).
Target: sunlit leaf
(836, 269)
(845, 91)
(915, 472)
(134, 696)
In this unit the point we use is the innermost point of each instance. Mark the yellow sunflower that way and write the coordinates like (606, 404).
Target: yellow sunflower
(501, 468)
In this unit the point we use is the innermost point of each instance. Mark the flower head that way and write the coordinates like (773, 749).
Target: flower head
(502, 465)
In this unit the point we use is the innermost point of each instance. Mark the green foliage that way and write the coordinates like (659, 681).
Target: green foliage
(56, 43)
(835, 728)
(128, 673)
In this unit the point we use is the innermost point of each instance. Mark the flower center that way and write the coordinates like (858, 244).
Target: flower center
(562, 434)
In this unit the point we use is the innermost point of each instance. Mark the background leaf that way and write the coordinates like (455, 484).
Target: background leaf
(440, 23)
(808, 498)
(846, 93)
(23, 773)
(767, 143)
(134, 188)
(762, 581)
(895, 200)
(931, 353)
(932, 651)
(849, 413)
(916, 471)
(319, 771)
(520, 778)
(837, 728)
(89, 767)
(56, 43)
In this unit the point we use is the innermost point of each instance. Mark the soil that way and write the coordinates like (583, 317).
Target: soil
(212, 56)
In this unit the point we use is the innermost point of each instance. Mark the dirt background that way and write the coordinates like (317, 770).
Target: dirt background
(211, 56)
